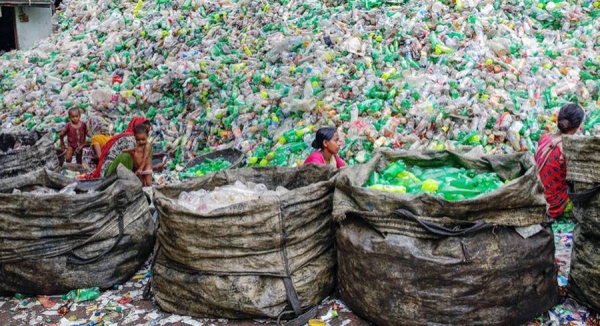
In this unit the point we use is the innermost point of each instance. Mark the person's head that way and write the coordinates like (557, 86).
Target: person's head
(570, 118)
(98, 126)
(74, 115)
(103, 129)
(135, 121)
(140, 132)
(148, 125)
(327, 139)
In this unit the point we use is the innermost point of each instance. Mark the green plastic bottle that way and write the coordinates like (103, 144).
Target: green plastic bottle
(389, 188)
(393, 170)
(207, 166)
(373, 179)
(291, 136)
(297, 147)
(449, 192)
(82, 294)
(592, 120)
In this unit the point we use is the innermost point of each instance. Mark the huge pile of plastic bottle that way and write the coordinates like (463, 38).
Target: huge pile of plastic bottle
(261, 75)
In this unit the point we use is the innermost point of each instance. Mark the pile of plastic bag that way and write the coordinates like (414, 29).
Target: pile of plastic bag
(262, 75)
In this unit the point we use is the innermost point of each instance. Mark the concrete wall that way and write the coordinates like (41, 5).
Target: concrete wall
(38, 27)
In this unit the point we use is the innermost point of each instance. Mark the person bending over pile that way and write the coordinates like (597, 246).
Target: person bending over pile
(552, 167)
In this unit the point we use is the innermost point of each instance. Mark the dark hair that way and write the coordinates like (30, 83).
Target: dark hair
(148, 125)
(322, 135)
(140, 129)
(570, 117)
(73, 109)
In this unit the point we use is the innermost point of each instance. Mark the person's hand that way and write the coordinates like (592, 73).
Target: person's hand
(138, 172)
(78, 149)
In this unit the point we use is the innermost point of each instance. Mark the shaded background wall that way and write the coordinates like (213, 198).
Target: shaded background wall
(22, 26)
(7, 29)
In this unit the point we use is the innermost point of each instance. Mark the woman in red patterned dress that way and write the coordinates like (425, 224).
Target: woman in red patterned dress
(552, 167)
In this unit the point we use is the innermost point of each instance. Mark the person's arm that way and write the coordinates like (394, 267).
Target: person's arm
(97, 150)
(82, 142)
(62, 135)
(147, 156)
(140, 167)
(159, 166)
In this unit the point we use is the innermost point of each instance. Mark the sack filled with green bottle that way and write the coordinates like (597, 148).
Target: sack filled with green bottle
(450, 237)
(448, 182)
(467, 186)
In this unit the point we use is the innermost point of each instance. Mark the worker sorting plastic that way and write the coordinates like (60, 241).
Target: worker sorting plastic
(551, 163)
(327, 143)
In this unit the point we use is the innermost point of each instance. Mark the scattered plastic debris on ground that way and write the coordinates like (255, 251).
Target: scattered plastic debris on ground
(123, 305)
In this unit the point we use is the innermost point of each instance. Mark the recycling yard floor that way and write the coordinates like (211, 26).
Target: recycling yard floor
(29, 311)
(136, 311)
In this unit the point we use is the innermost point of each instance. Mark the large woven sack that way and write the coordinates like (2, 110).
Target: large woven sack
(583, 173)
(25, 152)
(258, 258)
(51, 244)
(422, 260)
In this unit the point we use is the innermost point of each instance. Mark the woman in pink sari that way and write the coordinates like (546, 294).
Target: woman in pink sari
(327, 143)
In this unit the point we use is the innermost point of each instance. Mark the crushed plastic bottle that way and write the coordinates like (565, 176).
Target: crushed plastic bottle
(69, 189)
(82, 294)
(429, 75)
